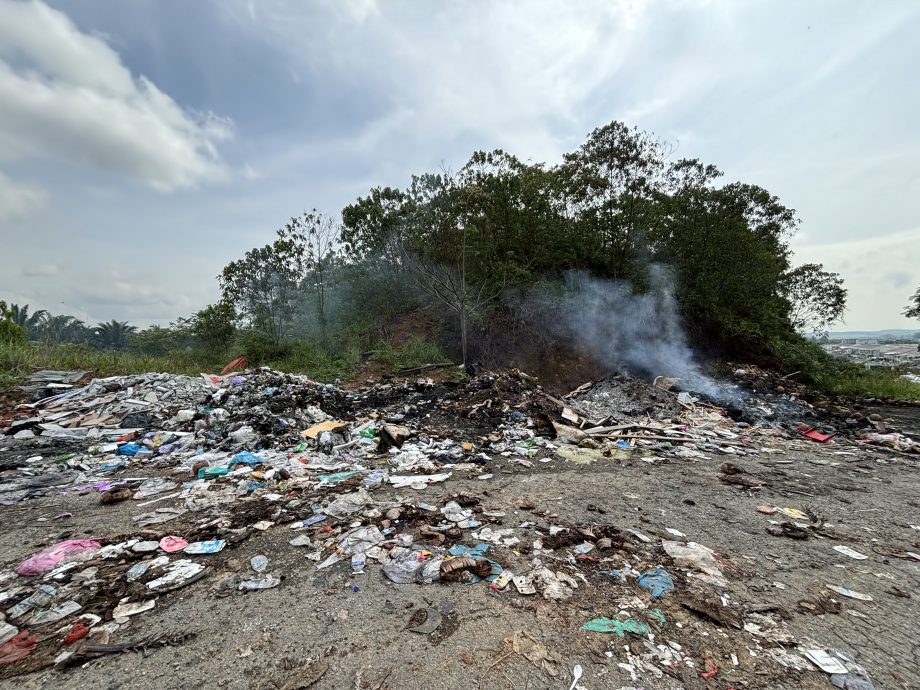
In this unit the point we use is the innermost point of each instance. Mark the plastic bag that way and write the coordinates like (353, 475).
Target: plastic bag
(53, 556)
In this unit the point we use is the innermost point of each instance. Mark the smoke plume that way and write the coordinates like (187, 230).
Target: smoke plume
(626, 331)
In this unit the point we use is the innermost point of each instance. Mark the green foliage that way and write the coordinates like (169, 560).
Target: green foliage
(415, 352)
(818, 298)
(615, 206)
(17, 361)
(63, 328)
(314, 239)
(214, 326)
(157, 340)
(12, 333)
(318, 362)
(21, 317)
(259, 348)
(113, 335)
(262, 286)
(912, 310)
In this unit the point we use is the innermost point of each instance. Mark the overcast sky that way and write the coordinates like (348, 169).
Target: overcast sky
(145, 143)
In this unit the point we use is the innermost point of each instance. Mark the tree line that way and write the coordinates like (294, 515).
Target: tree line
(615, 207)
(477, 240)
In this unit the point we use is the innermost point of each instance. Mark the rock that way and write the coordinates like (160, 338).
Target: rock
(394, 434)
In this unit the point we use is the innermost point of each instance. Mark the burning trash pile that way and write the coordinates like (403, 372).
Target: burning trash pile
(397, 481)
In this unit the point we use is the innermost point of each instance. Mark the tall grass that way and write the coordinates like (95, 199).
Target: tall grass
(854, 382)
(413, 353)
(826, 372)
(18, 361)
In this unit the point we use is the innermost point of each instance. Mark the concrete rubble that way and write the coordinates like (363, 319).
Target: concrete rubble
(400, 481)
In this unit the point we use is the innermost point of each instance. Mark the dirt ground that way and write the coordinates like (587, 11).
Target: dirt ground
(599, 503)
(330, 629)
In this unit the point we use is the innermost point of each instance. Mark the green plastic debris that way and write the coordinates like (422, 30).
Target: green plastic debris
(368, 433)
(211, 472)
(658, 615)
(301, 447)
(337, 477)
(612, 625)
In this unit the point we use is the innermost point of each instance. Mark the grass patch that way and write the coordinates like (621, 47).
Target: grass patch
(415, 352)
(855, 382)
(317, 362)
(833, 375)
(19, 360)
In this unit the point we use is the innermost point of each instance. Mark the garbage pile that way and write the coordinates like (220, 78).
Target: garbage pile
(209, 462)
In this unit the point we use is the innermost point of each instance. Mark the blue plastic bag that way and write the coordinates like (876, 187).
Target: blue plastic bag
(658, 582)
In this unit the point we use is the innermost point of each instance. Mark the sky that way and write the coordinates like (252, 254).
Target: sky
(146, 143)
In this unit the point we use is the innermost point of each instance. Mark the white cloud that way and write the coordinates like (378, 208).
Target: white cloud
(45, 270)
(65, 95)
(880, 273)
(511, 75)
(17, 200)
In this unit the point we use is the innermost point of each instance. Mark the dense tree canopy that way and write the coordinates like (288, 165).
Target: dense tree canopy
(614, 207)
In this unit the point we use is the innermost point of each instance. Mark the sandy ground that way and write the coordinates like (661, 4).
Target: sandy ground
(329, 629)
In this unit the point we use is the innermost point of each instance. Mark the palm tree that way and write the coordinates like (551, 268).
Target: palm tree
(114, 334)
(63, 328)
(21, 317)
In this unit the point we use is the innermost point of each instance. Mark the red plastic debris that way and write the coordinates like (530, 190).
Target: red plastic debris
(17, 648)
(711, 670)
(237, 363)
(810, 432)
(77, 632)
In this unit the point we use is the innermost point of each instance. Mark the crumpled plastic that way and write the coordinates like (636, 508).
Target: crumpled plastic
(658, 582)
(698, 557)
(19, 647)
(413, 566)
(53, 556)
(349, 503)
(618, 627)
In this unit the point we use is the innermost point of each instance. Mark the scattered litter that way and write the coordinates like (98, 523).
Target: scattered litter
(199, 548)
(698, 557)
(825, 661)
(847, 551)
(843, 591)
(658, 582)
(63, 552)
(171, 544)
(133, 608)
(177, 574)
(618, 627)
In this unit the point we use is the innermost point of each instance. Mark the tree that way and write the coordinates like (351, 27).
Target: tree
(157, 340)
(214, 326)
(315, 238)
(610, 186)
(818, 298)
(912, 310)
(263, 285)
(440, 250)
(10, 332)
(114, 334)
(62, 328)
(21, 317)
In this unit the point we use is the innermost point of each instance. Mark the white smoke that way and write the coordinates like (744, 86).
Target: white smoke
(639, 333)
